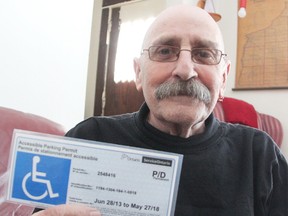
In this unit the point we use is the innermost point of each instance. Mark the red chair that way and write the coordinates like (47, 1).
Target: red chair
(9, 120)
(238, 111)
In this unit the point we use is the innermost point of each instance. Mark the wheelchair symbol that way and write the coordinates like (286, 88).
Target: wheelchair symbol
(35, 174)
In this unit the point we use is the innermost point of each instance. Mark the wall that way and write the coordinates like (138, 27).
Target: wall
(271, 102)
(44, 57)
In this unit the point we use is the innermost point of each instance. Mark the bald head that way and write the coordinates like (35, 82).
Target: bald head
(184, 21)
(184, 45)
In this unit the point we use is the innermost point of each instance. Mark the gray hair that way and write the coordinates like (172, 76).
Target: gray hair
(192, 88)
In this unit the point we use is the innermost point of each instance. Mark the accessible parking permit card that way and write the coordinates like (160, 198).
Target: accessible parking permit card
(47, 170)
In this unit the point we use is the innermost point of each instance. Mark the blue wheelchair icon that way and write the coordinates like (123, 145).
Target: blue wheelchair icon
(41, 178)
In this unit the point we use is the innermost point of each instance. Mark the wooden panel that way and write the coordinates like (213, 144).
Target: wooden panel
(101, 66)
(122, 98)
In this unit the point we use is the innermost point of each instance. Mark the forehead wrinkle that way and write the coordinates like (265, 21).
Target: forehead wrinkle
(167, 40)
(203, 43)
(175, 40)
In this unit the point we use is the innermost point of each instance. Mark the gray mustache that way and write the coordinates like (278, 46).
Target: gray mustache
(191, 88)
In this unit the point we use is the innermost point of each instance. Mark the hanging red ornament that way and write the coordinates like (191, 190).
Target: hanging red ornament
(242, 9)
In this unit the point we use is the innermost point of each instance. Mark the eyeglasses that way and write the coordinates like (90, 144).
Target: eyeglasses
(164, 53)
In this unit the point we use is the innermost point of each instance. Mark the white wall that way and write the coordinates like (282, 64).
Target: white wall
(273, 102)
(44, 50)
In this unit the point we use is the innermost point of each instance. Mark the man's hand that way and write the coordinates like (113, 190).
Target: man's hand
(69, 210)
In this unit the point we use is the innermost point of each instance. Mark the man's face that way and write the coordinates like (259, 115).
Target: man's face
(186, 32)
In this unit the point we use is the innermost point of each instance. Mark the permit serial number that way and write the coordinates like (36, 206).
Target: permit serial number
(106, 174)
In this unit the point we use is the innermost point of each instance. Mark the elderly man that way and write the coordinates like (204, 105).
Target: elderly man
(182, 71)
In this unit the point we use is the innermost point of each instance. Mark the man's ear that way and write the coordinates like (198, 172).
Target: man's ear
(225, 72)
(138, 74)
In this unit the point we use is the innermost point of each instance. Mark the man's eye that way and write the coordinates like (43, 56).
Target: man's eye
(165, 51)
(204, 54)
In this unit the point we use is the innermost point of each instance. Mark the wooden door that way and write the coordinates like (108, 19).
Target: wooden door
(112, 98)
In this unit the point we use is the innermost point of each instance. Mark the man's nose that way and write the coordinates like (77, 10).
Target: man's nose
(185, 67)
